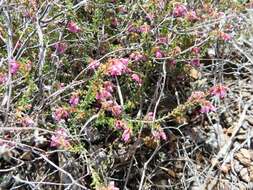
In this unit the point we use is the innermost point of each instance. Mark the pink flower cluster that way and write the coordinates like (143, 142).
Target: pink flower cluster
(106, 91)
(60, 47)
(119, 124)
(159, 134)
(180, 10)
(94, 64)
(137, 57)
(219, 91)
(60, 114)
(28, 66)
(113, 107)
(117, 67)
(60, 139)
(103, 95)
(105, 98)
(195, 62)
(159, 54)
(73, 27)
(196, 50)
(199, 98)
(74, 100)
(116, 109)
(145, 28)
(196, 96)
(14, 66)
(206, 107)
(225, 37)
(149, 116)
(137, 79)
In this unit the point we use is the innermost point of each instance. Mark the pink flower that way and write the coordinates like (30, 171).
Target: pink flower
(191, 16)
(196, 50)
(59, 139)
(207, 107)
(94, 64)
(149, 116)
(74, 100)
(179, 11)
(159, 134)
(28, 66)
(117, 67)
(136, 78)
(60, 47)
(73, 27)
(108, 86)
(60, 85)
(107, 104)
(158, 54)
(219, 91)
(137, 56)
(116, 110)
(226, 37)
(126, 134)
(105, 92)
(163, 135)
(196, 96)
(119, 124)
(60, 113)
(14, 66)
(124, 61)
(195, 62)
(111, 186)
(103, 95)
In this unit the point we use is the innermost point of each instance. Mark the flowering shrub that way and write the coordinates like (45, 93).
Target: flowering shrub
(112, 76)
